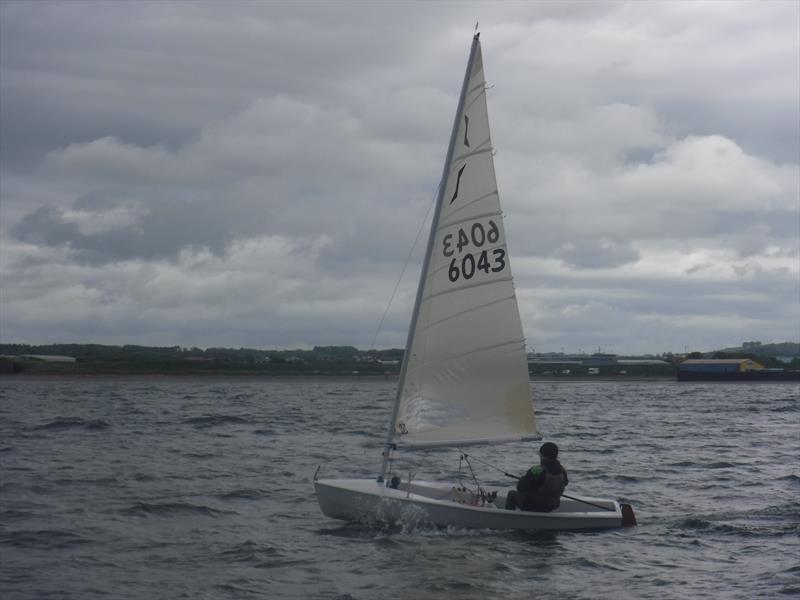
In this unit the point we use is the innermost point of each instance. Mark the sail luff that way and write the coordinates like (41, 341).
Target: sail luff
(428, 252)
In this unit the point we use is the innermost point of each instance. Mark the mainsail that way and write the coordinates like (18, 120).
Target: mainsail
(465, 373)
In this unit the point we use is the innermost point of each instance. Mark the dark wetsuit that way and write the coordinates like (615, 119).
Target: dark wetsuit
(540, 488)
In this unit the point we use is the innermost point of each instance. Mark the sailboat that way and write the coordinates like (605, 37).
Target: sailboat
(464, 378)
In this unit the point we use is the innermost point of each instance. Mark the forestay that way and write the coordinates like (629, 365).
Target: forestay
(466, 377)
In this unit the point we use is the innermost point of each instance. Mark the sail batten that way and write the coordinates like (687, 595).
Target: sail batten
(466, 287)
(465, 375)
(475, 99)
(471, 309)
(496, 213)
(471, 203)
(515, 343)
(475, 152)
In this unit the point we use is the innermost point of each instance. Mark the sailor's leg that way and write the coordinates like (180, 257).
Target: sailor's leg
(511, 501)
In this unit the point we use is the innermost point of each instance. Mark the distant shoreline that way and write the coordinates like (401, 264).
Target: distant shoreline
(232, 376)
(199, 377)
(299, 378)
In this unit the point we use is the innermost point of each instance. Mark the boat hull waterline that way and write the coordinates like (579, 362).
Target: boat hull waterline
(426, 503)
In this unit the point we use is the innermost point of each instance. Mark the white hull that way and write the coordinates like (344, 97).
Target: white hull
(444, 505)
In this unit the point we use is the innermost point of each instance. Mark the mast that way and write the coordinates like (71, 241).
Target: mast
(428, 252)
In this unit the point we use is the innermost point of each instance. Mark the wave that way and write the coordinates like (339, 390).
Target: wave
(201, 455)
(172, 509)
(631, 478)
(795, 569)
(73, 423)
(373, 531)
(214, 420)
(244, 494)
(366, 531)
(771, 521)
(248, 551)
(780, 510)
(336, 393)
(683, 463)
(753, 530)
(101, 481)
(718, 465)
(605, 565)
(42, 538)
(14, 515)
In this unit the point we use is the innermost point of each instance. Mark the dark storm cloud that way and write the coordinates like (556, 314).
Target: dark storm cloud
(159, 234)
(281, 165)
(157, 72)
(46, 226)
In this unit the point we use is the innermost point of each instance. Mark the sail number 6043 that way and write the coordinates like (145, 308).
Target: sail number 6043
(476, 235)
(469, 265)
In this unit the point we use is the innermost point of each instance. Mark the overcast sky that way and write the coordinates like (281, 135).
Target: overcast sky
(255, 174)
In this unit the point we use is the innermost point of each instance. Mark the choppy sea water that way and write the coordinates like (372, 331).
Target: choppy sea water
(202, 489)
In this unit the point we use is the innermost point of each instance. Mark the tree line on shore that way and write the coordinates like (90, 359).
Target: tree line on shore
(99, 358)
(320, 360)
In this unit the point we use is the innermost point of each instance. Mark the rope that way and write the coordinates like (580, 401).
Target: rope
(483, 462)
(405, 266)
(480, 495)
(587, 502)
(475, 479)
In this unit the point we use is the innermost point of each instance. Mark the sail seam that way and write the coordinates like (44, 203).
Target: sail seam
(469, 310)
(481, 86)
(468, 204)
(466, 287)
(478, 150)
(476, 98)
(477, 350)
(495, 213)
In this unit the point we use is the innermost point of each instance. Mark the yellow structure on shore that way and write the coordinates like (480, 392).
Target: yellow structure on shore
(721, 365)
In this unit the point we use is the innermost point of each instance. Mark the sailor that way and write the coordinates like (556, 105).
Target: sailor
(541, 487)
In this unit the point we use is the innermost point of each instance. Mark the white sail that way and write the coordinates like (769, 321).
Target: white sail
(466, 376)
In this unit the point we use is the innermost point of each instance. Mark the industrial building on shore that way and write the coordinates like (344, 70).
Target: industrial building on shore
(731, 369)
